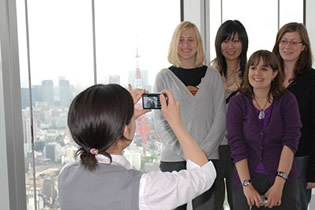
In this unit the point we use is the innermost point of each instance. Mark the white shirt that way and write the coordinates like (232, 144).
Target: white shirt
(165, 190)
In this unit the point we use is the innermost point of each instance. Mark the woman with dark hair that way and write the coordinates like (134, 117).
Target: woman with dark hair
(101, 120)
(263, 130)
(231, 46)
(293, 49)
(200, 92)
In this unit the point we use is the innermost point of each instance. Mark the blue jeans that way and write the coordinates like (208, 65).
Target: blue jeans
(305, 195)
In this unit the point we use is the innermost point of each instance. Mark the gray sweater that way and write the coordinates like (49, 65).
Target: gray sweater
(107, 187)
(203, 115)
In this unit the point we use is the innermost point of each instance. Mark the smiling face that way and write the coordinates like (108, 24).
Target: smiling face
(231, 49)
(187, 46)
(291, 46)
(260, 75)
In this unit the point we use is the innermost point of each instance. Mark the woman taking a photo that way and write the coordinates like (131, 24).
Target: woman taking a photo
(101, 120)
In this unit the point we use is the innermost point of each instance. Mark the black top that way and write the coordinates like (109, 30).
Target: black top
(303, 88)
(190, 77)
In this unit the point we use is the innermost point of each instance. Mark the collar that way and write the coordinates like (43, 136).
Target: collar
(116, 160)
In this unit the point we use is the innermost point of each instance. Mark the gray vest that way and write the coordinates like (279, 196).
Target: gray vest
(107, 187)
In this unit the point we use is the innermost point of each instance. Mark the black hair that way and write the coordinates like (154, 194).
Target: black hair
(97, 117)
(227, 31)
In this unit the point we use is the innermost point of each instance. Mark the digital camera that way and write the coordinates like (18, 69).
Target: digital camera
(152, 100)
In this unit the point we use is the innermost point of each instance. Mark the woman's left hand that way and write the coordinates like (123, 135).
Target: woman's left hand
(136, 95)
(274, 194)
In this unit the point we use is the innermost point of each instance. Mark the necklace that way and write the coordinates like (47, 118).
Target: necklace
(261, 115)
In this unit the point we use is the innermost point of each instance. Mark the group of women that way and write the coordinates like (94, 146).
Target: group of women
(247, 126)
(267, 157)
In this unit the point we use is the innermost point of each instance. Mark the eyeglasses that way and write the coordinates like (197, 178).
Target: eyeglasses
(291, 42)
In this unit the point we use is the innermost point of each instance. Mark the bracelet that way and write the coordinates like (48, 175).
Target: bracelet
(246, 182)
(282, 174)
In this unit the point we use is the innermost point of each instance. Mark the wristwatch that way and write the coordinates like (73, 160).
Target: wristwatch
(246, 182)
(282, 174)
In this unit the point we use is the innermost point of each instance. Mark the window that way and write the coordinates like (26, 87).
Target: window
(131, 46)
(260, 18)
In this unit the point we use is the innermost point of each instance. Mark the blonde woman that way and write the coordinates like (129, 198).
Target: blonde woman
(199, 90)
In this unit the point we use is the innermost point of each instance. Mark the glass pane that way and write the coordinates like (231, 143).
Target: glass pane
(291, 11)
(260, 18)
(130, 36)
(131, 49)
(61, 65)
(215, 22)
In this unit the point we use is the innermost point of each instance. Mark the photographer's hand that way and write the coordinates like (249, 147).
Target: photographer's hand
(171, 111)
(136, 95)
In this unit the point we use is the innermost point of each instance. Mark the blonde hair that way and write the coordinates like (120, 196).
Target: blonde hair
(173, 57)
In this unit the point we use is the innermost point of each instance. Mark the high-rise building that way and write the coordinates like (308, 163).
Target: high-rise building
(27, 136)
(52, 151)
(65, 92)
(49, 190)
(48, 91)
(37, 95)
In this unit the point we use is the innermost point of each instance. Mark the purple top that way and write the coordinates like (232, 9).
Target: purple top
(260, 166)
(248, 140)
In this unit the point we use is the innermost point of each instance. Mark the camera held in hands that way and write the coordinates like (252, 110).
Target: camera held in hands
(152, 100)
(264, 198)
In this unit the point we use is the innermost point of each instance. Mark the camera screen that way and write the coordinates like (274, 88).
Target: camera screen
(151, 101)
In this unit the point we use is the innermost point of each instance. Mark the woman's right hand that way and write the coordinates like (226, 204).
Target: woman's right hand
(252, 196)
(170, 111)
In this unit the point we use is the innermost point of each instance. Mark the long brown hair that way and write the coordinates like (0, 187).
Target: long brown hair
(305, 60)
(270, 60)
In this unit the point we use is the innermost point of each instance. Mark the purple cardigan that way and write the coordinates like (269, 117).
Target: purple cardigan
(249, 141)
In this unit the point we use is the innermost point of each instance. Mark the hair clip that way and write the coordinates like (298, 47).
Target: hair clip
(94, 151)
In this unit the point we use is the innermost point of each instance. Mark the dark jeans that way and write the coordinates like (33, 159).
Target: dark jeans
(290, 195)
(305, 195)
(204, 201)
(224, 168)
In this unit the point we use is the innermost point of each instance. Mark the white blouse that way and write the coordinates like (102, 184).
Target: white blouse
(165, 190)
